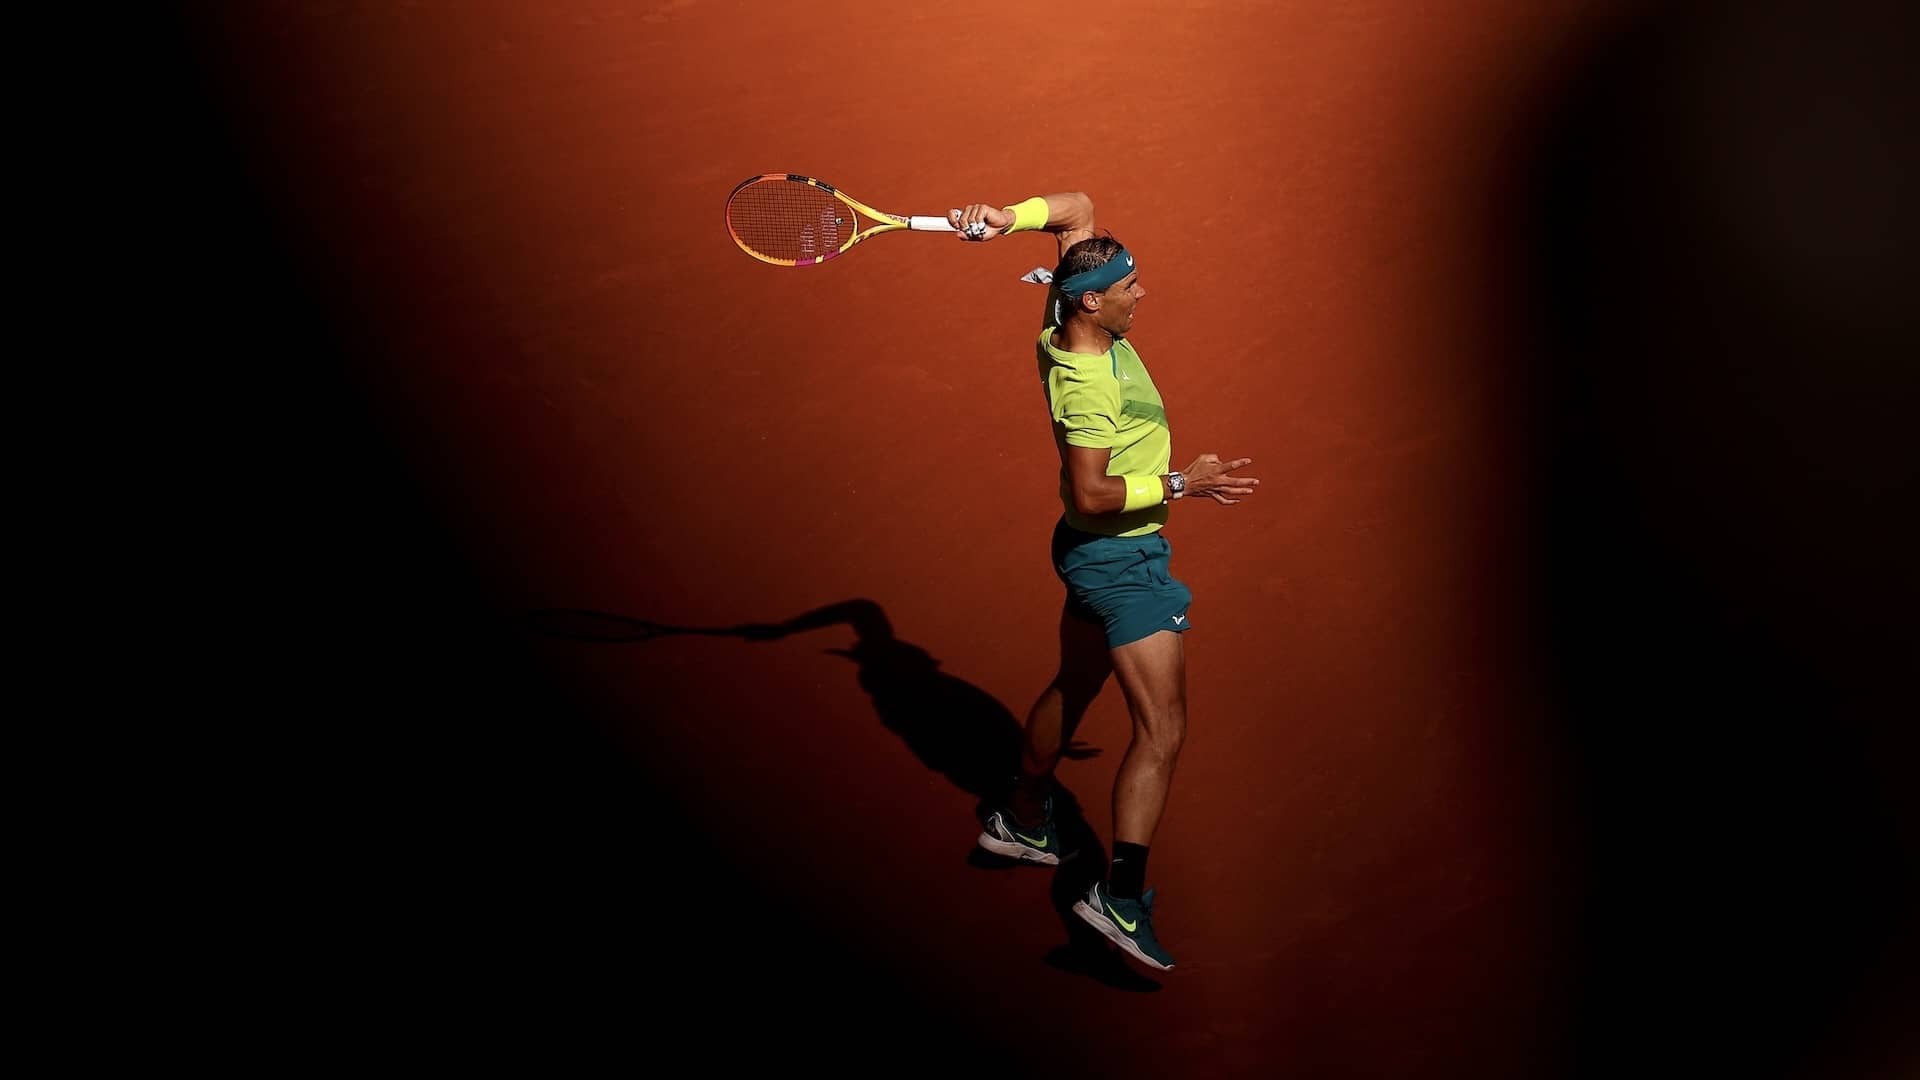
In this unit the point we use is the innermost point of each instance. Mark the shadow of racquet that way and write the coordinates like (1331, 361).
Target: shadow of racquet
(581, 624)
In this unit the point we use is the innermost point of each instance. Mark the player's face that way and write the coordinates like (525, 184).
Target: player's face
(1117, 304)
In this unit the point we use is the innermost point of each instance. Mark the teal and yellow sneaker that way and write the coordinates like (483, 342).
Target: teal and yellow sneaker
(1003, 834)
(1129, 923)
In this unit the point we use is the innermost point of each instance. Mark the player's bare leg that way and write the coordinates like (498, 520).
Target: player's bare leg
(1025, 829)
(1084, 666)
(1153, 675)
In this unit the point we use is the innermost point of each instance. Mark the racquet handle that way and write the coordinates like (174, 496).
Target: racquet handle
(930, 224)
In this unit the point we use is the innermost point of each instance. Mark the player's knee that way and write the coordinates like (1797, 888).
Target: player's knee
(1173, 737)
(1039, 760)
(1163, 733)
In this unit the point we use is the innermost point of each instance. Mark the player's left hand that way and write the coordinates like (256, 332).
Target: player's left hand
(1210, 476)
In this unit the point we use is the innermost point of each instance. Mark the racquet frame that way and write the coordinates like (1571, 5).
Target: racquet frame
(883, 222)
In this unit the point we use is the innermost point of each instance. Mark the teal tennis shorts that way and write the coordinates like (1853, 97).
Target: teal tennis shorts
(1120, 582)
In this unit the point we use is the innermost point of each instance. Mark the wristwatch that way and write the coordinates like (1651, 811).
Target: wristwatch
(1176, 483)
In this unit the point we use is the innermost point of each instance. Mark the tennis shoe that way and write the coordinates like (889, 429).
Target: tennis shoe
(1003, 834)
(1128, 923)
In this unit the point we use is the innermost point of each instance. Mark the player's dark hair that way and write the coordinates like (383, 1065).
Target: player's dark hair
(1089, 254)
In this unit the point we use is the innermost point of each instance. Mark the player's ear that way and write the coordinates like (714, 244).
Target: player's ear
(1090, 302)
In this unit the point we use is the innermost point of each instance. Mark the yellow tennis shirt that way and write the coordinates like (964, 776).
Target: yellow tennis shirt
(1107, 402)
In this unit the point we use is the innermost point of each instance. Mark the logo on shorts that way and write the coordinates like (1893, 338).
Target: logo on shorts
(1179, 619)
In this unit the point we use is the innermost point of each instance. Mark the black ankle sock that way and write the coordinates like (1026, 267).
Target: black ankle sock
(1129, 873)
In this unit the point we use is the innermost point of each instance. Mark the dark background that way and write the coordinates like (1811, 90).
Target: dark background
(1726, 569)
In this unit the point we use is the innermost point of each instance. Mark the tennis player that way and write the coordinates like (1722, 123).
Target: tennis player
(1124, 613)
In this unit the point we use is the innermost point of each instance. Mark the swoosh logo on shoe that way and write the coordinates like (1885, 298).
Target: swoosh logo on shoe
(1124, 924)
(1040, 843)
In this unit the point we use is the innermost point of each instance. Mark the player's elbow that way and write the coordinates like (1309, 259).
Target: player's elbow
(1079, 210)
(1090, 501)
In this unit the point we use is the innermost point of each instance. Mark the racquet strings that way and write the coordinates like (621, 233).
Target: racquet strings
(782, 219)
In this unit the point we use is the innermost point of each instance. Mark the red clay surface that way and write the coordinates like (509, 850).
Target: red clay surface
(616, 409)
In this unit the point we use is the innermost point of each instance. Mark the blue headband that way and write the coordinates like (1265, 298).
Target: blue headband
(1100, 278)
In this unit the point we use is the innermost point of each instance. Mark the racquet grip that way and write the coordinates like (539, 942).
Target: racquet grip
(930, 224)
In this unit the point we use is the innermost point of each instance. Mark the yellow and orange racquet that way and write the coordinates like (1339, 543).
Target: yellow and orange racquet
(791, 220)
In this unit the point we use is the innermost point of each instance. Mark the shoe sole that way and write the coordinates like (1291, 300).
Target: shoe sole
(1119, 937)
(1017, 851)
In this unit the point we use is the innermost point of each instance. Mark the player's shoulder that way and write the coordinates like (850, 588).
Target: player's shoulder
(1081, 376)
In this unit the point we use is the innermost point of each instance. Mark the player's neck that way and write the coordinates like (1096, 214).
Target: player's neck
(1086, 336)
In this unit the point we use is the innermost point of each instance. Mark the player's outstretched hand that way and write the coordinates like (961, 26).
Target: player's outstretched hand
(1211, 477)
(980, 222)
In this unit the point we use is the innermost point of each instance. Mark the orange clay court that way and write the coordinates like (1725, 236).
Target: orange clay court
(752, 835)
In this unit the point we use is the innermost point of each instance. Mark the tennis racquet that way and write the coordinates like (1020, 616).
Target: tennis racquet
(791, 220)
